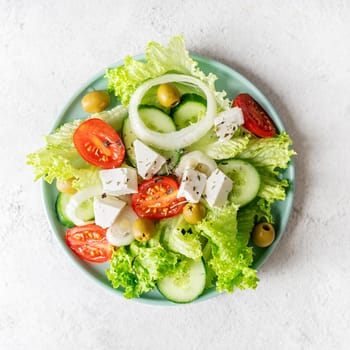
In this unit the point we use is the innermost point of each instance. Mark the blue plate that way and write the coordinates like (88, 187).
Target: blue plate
(230, 81)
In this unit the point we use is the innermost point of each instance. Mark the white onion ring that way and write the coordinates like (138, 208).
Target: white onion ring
(77, 199)
(176, 139)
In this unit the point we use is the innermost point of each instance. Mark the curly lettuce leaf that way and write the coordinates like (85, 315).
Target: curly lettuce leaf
(136, 268)
(249, 215)
(174, 58)
(59, 159)
(272, 188)
(114, 117)
(213, 148)
(62, 162)
(269, 155)
(181, 237)
(63, 135)
(231, 258)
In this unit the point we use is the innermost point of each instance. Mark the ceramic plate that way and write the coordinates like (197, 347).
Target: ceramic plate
(230, 81)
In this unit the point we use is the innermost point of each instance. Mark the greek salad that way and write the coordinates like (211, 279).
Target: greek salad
(172, 187)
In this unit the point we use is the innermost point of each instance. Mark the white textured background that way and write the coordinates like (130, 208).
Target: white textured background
(298, 54)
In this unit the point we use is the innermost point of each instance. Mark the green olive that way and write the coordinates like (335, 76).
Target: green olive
(193, 212)
(143, 229)
(168, 95)
(65, 186)
(95, 101)
(263, 234)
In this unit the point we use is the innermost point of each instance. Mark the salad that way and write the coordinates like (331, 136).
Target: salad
(173, 187)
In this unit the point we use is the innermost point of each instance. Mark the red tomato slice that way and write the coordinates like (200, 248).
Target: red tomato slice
(89, 242)
(256, 120)
(157, 198)
(99, 144)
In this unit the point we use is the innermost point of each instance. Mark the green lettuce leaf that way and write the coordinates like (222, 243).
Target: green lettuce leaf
(181, 237)
(249, 215)
(231, 258)
(114, 117)
(62, 162)
(174, 58)
(59, 159)
(213, 148)
(272, 188)
(63, 135)
(136, 268)
(269, 155)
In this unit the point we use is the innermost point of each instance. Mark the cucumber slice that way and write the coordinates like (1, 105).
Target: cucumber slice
(85, 211)
(246, 180)
(156, 120)
(190, 109)
(61, 203)
(172, 157)
(178, 290)
(172, 160)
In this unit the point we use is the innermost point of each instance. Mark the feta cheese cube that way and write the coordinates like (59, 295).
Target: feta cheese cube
(192, 185)
(148, 161)
(217, 188)
(106, 209)
(119, 181)
(227, 122)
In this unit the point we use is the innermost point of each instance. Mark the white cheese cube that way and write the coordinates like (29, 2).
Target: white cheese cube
(217, 188)
(148, 161)
(227, 122)
(119, 181)
(192, 185)
(106, 209)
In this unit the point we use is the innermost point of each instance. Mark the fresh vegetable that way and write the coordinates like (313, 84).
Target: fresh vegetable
(60, 206)
(65, 186)
(168, 95)
(98, 143)
(195, 160)
(263, 234)
(114, 117)
(190, 110)
(184, 287)
(137, 267)
(120, 232)
(95, 101)
(231, 259)
(89, 243)
(143, 229)
(70, 208)
(155, 119)
(83, 212)
(216, 149)
(60, 160)
(179, 138)
(246, 180)
(157, 198)
(269, 156)
(256, 120)
(180, 237)
(193, 212)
